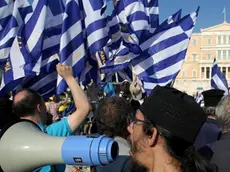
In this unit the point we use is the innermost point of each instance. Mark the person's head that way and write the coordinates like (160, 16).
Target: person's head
(165, 128)
(211, 99)
(28, 103)
(223, 113)
(111, 117)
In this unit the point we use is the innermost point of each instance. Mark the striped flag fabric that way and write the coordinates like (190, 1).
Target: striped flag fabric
(44, 83)
(12, 16)
(125, 74)
(138, 16)
(218, 80)
(40, 35)
(123, 55)
(95, 21)
(72, 44)
(14, 71)
(160, 64)
(170, 21)
(88, 18)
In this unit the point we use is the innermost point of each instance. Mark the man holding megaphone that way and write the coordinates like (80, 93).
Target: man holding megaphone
(29, 105)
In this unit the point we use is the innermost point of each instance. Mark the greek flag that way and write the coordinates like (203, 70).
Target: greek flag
(14, 71)
(125, 53)
(218, 80)
(16, 77)
(160, 64)
(44, 83)
(170, 21)
(138, 16)
(72, 44)
(40, 35)
(95, 21)
(12, 16)
(125, 74)
(89, 73)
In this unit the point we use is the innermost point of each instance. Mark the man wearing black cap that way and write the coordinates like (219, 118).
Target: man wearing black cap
(210, 131)
(163, 131)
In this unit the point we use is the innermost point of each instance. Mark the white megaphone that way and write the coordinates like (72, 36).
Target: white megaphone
(23, 147)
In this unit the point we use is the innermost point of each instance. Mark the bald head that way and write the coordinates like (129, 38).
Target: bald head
(25, 103)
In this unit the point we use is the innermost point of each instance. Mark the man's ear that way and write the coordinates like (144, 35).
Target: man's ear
(152, 139)
(39, 108)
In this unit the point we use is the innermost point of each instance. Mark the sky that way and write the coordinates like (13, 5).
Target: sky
(210, 11)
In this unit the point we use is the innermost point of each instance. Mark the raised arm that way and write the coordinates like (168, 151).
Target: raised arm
(80, 100)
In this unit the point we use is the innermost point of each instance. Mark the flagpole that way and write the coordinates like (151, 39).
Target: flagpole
(225, 15)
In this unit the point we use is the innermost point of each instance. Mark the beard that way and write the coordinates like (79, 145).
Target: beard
(136, 151)
(137, 167)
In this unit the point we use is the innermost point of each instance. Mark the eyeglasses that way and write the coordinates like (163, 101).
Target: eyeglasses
(133, 119)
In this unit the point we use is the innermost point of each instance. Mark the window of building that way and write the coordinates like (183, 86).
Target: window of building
(219, 40)
(207, 72)
(194, 73)
(202, 72)
(224, 70)
(183, 74)
(224, 54)
(219, 54)
(209, 41)
(225, 38)
(194, 42)
(202, 69)
(209, 56)
(194, 56)
(229, 53)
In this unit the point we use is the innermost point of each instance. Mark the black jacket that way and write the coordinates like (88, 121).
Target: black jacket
(219, 153)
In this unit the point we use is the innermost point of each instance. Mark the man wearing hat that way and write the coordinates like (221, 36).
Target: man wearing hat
(210, 131)
(163, 131)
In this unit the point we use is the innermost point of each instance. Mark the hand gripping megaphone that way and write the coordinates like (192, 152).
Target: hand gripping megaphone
(23, 147)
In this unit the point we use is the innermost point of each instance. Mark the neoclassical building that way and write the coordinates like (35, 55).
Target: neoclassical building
(210, 43)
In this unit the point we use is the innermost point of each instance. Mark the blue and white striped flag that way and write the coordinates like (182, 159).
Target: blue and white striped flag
(89, 73)
(44, 83)
(138, 16)
(12, 16)
(14, 71)
(218, 80)
(95, 21)
(173, 19)
(125, 74)
(72, 44)
(40, 35)
(160, 64)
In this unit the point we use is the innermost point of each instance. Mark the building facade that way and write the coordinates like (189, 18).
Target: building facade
(210, 43)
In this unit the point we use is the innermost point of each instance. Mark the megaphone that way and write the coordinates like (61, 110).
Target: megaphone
(23, 147)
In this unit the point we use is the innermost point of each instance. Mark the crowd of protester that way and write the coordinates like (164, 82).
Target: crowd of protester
(166, 131)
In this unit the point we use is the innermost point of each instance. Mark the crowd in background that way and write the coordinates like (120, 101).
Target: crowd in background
(165, 131)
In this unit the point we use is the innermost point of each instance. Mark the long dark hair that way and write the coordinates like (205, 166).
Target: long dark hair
(183, 151)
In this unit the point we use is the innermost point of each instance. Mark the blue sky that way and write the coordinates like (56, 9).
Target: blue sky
(209, 15)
